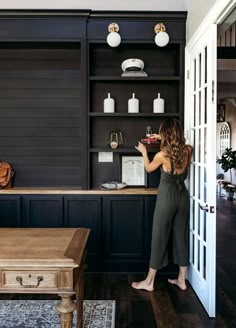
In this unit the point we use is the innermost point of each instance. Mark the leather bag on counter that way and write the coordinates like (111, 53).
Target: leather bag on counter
(6, 175)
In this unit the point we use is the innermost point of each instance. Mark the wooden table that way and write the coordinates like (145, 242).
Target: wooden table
(49, 261)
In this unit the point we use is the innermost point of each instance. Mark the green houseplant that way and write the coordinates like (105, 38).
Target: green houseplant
(228, 162)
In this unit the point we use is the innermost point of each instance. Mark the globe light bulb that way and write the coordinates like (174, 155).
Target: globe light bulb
(113, 39)
(162, 39)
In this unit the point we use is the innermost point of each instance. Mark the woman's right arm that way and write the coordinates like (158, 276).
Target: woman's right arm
(150, 166)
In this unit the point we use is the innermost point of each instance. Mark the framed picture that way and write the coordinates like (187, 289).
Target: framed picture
(220, 112)
(133, 172)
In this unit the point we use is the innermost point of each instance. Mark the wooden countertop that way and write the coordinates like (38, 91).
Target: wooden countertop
(76, 191)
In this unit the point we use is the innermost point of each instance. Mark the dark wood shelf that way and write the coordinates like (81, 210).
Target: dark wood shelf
(125, 150)
(117, 150)
(153, 115)
(133, 78)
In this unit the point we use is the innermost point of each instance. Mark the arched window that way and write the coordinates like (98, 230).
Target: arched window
(224, 137)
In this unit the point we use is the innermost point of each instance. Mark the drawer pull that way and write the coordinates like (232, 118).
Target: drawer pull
(20, 280)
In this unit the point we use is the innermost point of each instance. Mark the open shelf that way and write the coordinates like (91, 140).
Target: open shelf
(134, 78)
(165, 75)
(123, 150)
(107, 61)
(97, 114)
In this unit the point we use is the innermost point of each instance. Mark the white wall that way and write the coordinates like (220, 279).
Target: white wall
(162, 5)
(197, 10)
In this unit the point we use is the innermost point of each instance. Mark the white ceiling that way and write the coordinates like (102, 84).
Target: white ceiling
(162, 5)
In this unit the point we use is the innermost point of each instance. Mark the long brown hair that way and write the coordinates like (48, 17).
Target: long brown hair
(173, 141)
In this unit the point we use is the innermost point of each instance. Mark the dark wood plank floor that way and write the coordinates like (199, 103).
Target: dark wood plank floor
(226, 260)
(169, 307)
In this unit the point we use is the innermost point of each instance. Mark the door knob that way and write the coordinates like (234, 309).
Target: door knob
(204, 207)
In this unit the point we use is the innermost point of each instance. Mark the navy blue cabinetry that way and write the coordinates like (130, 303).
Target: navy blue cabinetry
(10, 211)
(85, 212)
(42, 211)
(120, 224)
(126, 223)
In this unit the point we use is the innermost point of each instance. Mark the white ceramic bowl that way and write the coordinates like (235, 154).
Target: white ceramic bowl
(112, 185)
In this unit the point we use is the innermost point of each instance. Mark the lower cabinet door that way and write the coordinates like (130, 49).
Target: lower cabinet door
(85, 212)
(124, 232)
(10, 211)
(43, 211)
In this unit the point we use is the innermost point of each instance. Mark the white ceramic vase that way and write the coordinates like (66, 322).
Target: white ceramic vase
(109, 104)
(133, 105)
(158, 105)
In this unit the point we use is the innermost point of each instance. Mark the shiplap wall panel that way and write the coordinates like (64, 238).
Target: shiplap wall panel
(30, 132)
(40, 113)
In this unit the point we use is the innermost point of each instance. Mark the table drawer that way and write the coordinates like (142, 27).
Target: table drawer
(29, 279)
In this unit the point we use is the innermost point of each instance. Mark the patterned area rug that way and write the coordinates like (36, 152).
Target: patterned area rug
(43, 314)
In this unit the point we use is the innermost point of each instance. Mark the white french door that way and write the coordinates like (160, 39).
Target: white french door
(200, 128)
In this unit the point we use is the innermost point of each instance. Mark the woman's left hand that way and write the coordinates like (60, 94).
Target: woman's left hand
(155, 135)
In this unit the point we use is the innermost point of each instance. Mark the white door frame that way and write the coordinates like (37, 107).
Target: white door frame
(200, 114)
(215, 16)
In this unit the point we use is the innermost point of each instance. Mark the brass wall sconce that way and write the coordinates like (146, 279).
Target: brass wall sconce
(161, 38)
(113, 38)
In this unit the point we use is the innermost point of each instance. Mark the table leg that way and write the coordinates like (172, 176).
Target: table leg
(66, 307)
(79, 299)
(79, 291)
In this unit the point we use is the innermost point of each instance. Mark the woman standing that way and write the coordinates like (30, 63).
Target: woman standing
(172, 207)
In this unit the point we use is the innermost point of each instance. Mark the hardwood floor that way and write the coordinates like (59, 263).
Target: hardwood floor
(167, 306)
(226, 260)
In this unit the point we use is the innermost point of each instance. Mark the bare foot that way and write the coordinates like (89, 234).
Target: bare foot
(142, 285)
(176, 282)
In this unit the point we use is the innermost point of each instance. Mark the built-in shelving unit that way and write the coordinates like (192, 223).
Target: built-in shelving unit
(55, 125)
(165, 76)
(55, 71)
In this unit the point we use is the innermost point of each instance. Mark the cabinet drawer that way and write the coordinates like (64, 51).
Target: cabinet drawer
(29, 279)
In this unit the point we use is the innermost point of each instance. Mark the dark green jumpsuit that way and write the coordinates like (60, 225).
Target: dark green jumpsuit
(171, 211)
